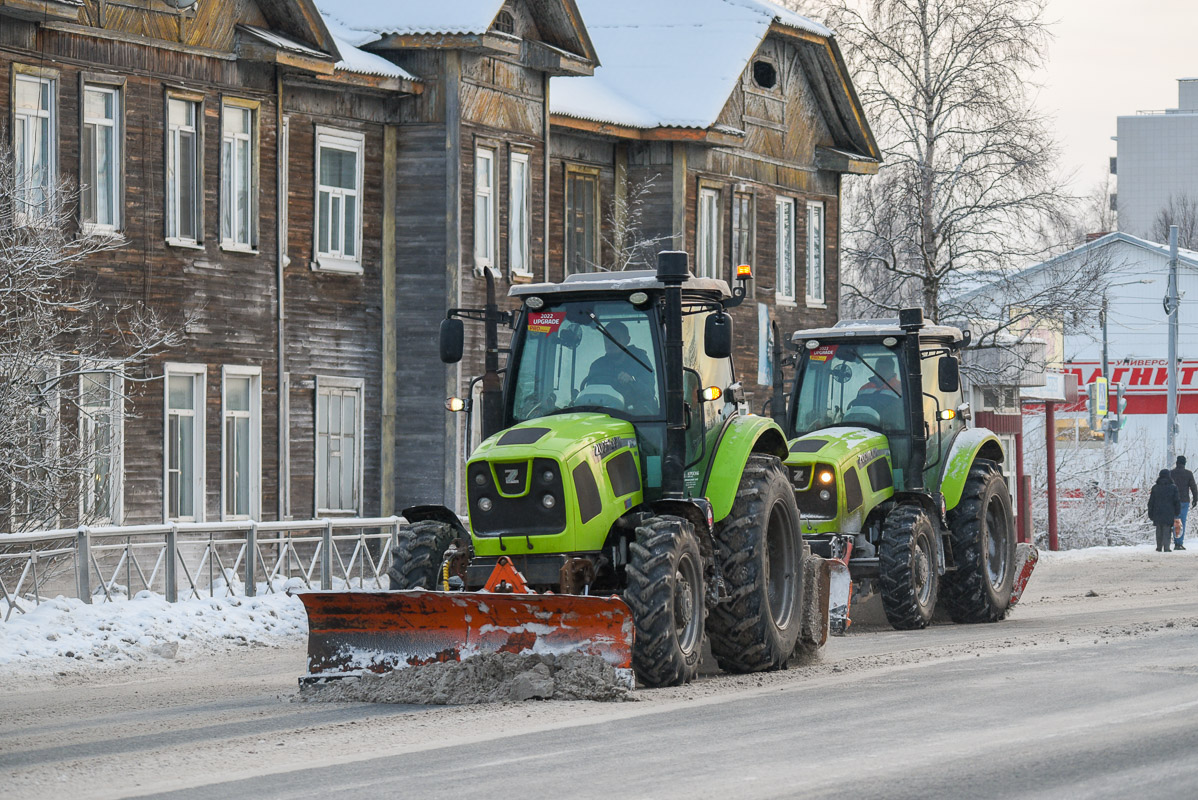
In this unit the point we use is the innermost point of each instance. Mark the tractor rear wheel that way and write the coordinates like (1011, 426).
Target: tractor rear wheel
(908, 568)
(416, 557)
(983, 538)
(761, 557)
(665, 592)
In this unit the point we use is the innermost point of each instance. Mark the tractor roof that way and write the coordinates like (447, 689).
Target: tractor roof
(628, 281)
(869, 328)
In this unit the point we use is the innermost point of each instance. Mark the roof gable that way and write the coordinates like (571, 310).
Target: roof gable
(676, 63)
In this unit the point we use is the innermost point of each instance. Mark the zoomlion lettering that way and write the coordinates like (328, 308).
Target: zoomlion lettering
(870, 455)
(609, 446)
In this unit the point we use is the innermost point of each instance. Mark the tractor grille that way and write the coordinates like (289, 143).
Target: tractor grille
(516, 493)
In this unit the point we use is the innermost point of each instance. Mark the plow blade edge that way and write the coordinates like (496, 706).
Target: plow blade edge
(354, 632)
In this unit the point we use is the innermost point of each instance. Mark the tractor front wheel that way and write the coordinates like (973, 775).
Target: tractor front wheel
(665, 593)
(983, 538)
(417, 554)
(761, 556)
(908, 570)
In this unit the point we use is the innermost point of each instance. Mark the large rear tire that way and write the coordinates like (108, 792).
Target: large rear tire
(983, 539)
(665, 592)
(761, 557)
(417, 554)
(908, 568)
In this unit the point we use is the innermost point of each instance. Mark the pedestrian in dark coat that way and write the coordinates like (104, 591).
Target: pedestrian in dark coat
(1188, 490)
(1164, 506)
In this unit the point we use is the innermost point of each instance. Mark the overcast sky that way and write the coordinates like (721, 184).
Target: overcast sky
(1110, 58)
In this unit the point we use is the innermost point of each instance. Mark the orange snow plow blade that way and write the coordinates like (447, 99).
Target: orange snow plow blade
(354, 632)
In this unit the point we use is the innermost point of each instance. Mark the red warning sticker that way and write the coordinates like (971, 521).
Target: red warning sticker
(547, 322)
(823, 353)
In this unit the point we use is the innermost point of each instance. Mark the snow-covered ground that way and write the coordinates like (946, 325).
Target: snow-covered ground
(66, 635)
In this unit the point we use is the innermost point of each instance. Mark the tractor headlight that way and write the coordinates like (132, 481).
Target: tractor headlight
(826, 476)
(548, 501)
(547, 476)
(484, 504)
(825, 495)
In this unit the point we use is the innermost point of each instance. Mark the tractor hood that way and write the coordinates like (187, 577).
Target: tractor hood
(838, 475)
(555, 436)
(555, 484)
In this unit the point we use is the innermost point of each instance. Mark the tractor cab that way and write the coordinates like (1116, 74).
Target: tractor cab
(861, 374)
(595, 345)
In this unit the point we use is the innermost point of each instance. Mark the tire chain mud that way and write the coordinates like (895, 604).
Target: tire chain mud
(656, 656)
(966, 591)
(416, 557)
(739, 629)
(894, 570)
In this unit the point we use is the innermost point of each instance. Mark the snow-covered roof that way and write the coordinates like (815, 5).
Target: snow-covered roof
(370, 19)
(356, 60)
(668, 63)
(282, 41)
(1188, 258)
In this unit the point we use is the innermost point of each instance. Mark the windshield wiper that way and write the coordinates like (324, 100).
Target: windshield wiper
(612, 339)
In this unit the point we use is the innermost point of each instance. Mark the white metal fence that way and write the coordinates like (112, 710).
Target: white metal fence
(185, 560)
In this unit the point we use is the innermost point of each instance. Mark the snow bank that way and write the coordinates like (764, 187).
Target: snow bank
(65, 634)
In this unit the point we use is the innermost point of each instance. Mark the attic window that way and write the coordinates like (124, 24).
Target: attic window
(505, 23)
(764, 74)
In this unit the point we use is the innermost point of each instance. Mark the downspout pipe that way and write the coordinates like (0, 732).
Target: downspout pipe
(672, 271)
(281, 260)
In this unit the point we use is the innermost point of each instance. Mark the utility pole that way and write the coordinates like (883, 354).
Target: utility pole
(1106, 427)
(1172, 301)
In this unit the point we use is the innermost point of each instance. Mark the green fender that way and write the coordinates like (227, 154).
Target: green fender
(970, 444)
(743, 436)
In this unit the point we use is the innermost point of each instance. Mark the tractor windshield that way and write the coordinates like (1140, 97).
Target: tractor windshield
(850, 384)
(588, 354)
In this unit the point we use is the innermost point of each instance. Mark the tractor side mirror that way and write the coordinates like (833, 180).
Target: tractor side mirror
(717, 335)
(949, 374)
(453, 337)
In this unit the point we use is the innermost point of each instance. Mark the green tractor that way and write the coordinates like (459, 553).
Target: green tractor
(622, 498)
(891, 481)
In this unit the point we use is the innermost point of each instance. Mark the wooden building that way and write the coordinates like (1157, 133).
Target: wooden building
(306, 187)
(236, 153)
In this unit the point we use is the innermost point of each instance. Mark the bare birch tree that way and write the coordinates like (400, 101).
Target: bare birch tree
(628, 245)
(61, 352)
(967, 189)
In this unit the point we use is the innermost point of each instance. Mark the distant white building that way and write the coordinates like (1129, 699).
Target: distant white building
(1157, 158)
(1137, 347)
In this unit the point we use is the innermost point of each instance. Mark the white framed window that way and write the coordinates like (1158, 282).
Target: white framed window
(742, 228)
(100, 156)
(239, 176)
(35, 132)
(101, 435)
(815, 254)
(785, 249)
(519, 234)
(484, 208)
(184, 192)
(183, 478)
(339, 157)
(241, 442)
(709, 250)
(338, 445)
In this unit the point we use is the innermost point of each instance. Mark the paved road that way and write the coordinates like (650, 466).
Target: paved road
(1089, 690)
